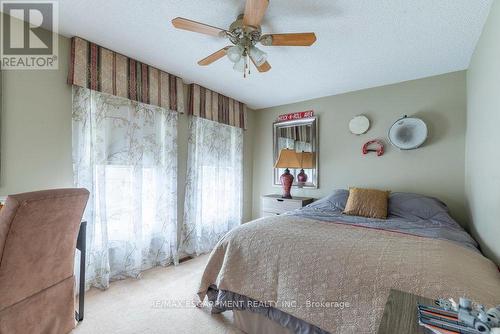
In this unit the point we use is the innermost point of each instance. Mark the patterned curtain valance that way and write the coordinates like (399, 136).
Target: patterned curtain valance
(103, 70)
(216, 107)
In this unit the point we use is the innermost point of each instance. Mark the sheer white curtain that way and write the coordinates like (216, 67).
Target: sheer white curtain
(214, 186)
(125, 153)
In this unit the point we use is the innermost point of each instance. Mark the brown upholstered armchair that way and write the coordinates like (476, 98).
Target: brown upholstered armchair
(38, 233)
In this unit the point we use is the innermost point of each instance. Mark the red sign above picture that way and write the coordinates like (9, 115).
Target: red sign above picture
(295, 115)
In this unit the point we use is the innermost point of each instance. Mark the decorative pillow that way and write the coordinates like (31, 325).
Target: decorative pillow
(368, 203)
(411, 206)
(334, 202)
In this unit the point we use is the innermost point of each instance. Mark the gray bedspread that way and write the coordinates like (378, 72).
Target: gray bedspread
(408, 213)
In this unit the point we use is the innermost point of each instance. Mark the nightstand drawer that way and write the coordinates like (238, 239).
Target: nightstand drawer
(274, 204)
(279, 205)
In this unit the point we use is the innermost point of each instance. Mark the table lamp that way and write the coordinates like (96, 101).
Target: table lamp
(287, 159)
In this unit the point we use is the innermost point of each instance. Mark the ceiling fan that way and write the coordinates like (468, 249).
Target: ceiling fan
(245, 33)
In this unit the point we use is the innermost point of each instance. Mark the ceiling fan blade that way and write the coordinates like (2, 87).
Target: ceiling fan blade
(186, 24)
(262, 68)
(254, 12)
(296, 39)
(213, 57)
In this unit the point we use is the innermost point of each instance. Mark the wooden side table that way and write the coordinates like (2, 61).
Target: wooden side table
(81, 245)
(400, 313)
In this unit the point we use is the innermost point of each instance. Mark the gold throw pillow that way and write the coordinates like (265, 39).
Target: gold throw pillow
(369, 203)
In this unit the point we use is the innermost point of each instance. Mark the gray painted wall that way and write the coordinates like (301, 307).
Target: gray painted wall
(483, 138)
(436, 169)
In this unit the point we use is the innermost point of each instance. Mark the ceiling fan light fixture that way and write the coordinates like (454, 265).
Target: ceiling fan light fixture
(244, 33)
(234, 53)
(258, 56)
(240, 65)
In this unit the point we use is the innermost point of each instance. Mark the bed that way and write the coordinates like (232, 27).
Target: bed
(316, 271)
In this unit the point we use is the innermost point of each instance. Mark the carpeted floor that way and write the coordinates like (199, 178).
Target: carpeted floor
(148, 305)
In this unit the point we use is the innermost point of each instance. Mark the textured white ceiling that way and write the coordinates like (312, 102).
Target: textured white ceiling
(361, 43)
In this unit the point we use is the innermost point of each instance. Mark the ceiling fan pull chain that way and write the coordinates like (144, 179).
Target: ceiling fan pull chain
(248, 64)
(246, 72)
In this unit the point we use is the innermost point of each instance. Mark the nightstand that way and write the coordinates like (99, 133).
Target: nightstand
(273, 205)
(400, 313)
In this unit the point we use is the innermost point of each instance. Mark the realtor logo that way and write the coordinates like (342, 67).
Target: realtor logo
(29, 35)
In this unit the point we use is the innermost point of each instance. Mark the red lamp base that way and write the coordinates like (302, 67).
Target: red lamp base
(286, 180)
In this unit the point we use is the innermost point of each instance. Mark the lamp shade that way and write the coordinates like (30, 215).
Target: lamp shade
(240, 65)
(234, 53)
(258, 56)
(287, 159)
(306, 159)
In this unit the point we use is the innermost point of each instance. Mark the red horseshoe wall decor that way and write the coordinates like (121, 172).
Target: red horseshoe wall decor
(379, 147)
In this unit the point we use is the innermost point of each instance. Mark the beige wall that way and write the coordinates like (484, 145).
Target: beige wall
(483, 138)
(436, 169)
(36, 128)
(35, 141)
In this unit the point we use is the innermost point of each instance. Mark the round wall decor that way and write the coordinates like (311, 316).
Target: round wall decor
(408, 133)
(359, 125)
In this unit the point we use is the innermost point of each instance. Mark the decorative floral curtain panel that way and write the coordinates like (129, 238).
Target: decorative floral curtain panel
(213, 203)
(125, 153)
